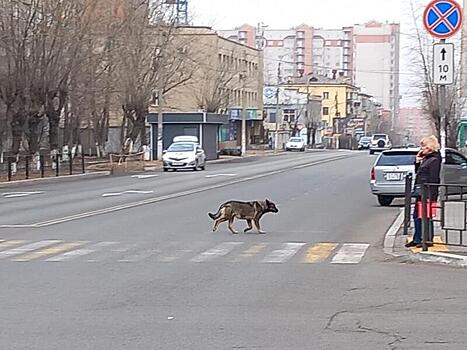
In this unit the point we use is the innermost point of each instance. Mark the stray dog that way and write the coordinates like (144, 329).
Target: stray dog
(249, 211)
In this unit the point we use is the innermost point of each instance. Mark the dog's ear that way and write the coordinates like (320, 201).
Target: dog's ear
(267, 202)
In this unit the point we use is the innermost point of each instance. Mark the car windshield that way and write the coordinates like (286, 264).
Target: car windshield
(365, 139)
(295, 139)
(181, 147)
(396, 159)
(379, 136)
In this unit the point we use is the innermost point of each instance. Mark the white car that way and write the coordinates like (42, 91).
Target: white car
(184, 153)
(295, 144)
(380, 143)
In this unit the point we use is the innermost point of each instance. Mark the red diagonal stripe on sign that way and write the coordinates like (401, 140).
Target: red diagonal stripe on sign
(443, 18)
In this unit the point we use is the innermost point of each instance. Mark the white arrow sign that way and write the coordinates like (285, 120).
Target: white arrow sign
(443, 64)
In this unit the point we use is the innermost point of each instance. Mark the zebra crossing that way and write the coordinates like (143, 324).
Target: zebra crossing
(58, 251)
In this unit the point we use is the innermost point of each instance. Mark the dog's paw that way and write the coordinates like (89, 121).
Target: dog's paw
(261, 232)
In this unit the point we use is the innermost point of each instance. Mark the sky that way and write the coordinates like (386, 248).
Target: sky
(228, 14)
(225, 14)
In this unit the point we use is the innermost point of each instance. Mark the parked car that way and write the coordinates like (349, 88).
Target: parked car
(379, 143)
(364, 142)
(184, 153)
(387, 179)
(295, 144)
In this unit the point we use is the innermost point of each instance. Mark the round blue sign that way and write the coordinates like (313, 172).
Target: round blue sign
(443, 18)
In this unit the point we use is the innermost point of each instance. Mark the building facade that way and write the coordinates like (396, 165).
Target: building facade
(228, 79)
(365, 55)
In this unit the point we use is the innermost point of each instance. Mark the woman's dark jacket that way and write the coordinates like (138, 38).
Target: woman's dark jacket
(428, 171)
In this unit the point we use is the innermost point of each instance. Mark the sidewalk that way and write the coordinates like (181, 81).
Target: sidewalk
(394, 244)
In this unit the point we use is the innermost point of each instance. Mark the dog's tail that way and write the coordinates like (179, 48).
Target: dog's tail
(216, 215)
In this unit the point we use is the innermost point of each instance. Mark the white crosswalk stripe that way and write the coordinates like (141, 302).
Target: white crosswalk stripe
(282, 255)
(80, 252)
(216, 252)
(350, 254)
(27, 248)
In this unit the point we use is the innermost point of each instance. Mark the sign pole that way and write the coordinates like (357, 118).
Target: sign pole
(442, 127)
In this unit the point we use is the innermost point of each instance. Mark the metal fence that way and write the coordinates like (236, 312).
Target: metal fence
(23, 167)
(448, 214)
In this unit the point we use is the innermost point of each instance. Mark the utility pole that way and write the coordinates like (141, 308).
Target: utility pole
(276, 141)
(243, 119)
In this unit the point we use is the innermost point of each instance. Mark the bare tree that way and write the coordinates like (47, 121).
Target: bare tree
(149, 62)
(429, 93)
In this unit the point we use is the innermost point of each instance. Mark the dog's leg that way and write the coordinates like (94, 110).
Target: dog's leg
(250, 226)
(258, 227)
(231, 220)
(218, 222)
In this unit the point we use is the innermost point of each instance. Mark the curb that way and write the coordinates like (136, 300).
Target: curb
(55, 178)
(390, 240)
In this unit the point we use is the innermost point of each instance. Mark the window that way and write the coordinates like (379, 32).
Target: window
(272, 117)
(455, 159)
(289, 115)
(325, 95)
(325, 110)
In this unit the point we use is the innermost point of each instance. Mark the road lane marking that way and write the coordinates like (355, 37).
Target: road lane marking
(27, 248)
(9, 244)
(140, 256)
(115, 194)
(350, 254)
(250, 252)
(20, 194)
(319, 252)
(284, 254)
(168, 197)
(216, 252)
(80, 252)
(146, 176)
(42, 253)
(219, 175)
(117, 251)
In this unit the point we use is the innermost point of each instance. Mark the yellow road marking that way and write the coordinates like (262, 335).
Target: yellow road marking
(252, 251)
(48, 251)
(438, 246)
(8, 244)
(319, 252)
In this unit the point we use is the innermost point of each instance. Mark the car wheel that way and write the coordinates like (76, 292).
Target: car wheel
(303, 149)
(166, 170)
(203, 167)
(372, 152)
(385, 201)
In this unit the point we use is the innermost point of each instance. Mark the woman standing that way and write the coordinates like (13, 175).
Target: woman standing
(427, 169)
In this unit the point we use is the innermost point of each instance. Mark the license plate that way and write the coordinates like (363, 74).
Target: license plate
(394, 176)
(177, 163)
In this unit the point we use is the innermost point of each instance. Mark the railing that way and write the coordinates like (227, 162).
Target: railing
(448, 214)
(24, 167)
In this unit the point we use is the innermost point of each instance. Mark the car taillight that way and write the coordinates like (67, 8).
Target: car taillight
(373, 174)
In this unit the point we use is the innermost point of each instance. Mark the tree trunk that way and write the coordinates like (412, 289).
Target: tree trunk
(17, 125)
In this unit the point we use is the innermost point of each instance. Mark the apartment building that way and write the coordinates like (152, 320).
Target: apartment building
(365, 55)
(228, 79)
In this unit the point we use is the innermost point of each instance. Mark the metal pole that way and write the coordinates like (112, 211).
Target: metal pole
(41, 160)
(276, 141)
(70, 162)
(27, 167)
(9, 168)
(442, 112)
(408, 202)
(83, 168)
(57, 164)
(243, 122)
(425, 220)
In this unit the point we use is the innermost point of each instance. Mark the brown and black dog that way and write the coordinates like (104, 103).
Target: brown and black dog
(249, 211)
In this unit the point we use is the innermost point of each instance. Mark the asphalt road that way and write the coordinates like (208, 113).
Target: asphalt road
(132, 263)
